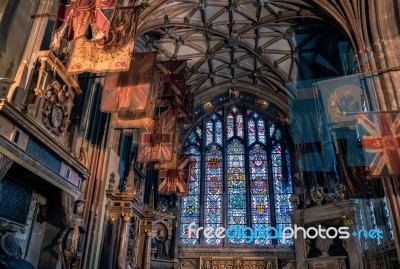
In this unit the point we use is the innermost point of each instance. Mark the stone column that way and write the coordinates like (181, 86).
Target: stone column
(123, 244)
(392, 193)
(147, 249)
(353, 245)
(300, 250)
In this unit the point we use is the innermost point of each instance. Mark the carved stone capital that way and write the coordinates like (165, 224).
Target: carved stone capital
(127, 216)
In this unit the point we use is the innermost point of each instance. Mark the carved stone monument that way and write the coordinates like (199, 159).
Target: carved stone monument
(335, 214)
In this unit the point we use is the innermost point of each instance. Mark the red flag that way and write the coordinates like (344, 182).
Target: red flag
(158, 146)
(74, 19)
(143, 119)
(62, 25)
(111, 55)
(101, 18)
(380, 137)
(174, 181)
(129, 90)
(173, 76)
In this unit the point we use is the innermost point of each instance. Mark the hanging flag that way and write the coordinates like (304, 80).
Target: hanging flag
(380, 137)
(175, 181)
(73, 20)
(158, 146)
(101, 17)
(129, 90)
(139, 119)
(62, 25)
(173, 76)
(112, 55)
(309, 129)
(352, 147)
(344, 96)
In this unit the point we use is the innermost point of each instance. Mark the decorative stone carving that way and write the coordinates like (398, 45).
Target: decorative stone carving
(282, 118)
(340, 192)
(295, 200)
(162, 244)
(208, 105)
(317, 194)
(12, 253)
(323, 244)
(262, 103)
(111, 182)
(238, 262)
(132, 244)
(71, 239)
(234, 94)
(289, 265)
(55, 109)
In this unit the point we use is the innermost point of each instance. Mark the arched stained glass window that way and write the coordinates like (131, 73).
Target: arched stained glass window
(240, 176)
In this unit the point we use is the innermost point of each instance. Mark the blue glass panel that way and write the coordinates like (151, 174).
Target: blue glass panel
(230, 125)
(387, 219)
(282, 190)
(239, 125)
(261, 131)
(236, 179)
(251, 131)
(260, 201)
(271, 130)
(209, 132)
(190, 205)
(214, 190)
(218, 132)
(199, 132)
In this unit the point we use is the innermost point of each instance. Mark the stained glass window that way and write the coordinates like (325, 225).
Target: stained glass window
(214, 188)
(239, 125)
(386, 216)
(240, 176)
(252, 131)
(230, 125)
(260, 200)
(282, 190)
(236, 187)
(191, 203)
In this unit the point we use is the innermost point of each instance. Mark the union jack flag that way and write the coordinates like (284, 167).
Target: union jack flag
(174, 181)
(129, 90)
(380, 137)
(157, 146)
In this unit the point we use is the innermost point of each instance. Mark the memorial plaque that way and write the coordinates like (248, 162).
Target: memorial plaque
(15, 201)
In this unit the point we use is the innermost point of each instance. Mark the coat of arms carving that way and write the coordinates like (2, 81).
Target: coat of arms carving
(55, 109)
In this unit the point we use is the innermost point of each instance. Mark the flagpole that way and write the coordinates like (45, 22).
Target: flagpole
(392, 194)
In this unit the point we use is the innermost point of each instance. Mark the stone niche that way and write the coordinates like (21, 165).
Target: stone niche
(320, 253)
(50, 94)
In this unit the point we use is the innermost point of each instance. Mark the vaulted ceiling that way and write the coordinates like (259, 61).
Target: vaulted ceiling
(256, 45)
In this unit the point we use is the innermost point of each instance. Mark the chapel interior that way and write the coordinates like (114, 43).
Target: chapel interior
(133, 131)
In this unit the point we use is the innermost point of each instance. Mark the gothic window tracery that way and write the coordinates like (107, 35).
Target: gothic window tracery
(240, 175)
